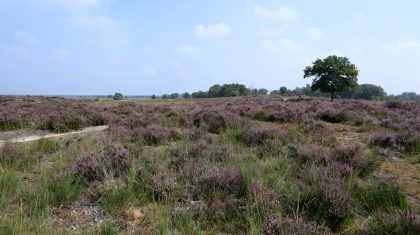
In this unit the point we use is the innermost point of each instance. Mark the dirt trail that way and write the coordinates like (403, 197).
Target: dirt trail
(38, 137)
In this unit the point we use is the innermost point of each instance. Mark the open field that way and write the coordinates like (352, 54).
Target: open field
(249, 165)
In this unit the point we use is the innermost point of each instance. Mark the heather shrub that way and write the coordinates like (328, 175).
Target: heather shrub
(377, 196)
(9, 122)
(155, 134)
(11, 154)
(408, 142)
(260, 135)
(88, 168)
(62, 122)
(304, 154)
(220, 180)
(213, 119)
(333, 117)
(352, 155)
(115, 158)
(324, 198)
(399, 222)
(277, 226)
(164, 185)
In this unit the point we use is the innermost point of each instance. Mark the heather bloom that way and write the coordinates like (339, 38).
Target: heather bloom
(116, 158)
(88, 168)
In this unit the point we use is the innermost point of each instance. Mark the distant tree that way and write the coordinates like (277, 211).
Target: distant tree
(199, 94)
(369, 92)
(275, 92)
(174, 96)
(283, 90)
(186, 95)
(165, 96)
(118, 96)
(408, 96)
(215, 91)
(262, 91)
(332, 74)
(153, 97)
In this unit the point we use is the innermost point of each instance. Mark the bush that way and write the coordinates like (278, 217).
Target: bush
(116, 158)
(334, 117)
(88, 168)
(155, 134)
(214, 121)
(279, 226)
(324, 198)
(400, 222)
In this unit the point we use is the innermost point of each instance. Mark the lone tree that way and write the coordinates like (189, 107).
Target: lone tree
(332, 74)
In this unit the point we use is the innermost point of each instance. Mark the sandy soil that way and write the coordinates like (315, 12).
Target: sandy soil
(30, 135)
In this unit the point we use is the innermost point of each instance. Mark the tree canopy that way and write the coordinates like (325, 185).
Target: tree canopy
(332, 74)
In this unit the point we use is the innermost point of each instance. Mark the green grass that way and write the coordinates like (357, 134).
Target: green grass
(378, 196)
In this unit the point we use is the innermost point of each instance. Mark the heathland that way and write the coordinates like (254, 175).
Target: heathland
(245, 165)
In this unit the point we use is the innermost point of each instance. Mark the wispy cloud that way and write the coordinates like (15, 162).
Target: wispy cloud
(405, 45)
(315, 33)
(101, 23)
(18, 51)
(188, 50)
(283, 13)
(216, 31)
(26, 38)
(71, 3)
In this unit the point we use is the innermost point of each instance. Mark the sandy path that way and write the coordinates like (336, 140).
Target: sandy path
(38, 137)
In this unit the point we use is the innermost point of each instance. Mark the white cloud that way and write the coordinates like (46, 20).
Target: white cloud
(149, 72)
(102, 23)
(188, 50)
(62, 53)
(405, 45)
(26, 38)
(72, 3)
(217, 31)
(283, 44)
(17, 51)
(315, 33)
(283, 13)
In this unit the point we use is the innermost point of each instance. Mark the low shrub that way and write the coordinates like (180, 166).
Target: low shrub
(155, 134)
(399, 222)
(333, 117)
(214, 120)
(88, 168)
(277, 226)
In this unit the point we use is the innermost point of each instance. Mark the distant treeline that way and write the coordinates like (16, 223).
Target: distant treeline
(362, 91)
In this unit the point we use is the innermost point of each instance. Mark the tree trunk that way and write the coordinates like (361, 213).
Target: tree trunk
(332, 95)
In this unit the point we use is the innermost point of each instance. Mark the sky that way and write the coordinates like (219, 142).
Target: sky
(99, 47)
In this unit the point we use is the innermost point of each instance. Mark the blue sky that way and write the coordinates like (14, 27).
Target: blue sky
(83, 47)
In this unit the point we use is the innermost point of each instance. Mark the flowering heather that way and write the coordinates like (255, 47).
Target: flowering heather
(221, 180)
(214, 120)
(155, 134)
(164, 185)
(10, 153)
(278, 226)
(87, 167)
(259, 135)
(116, 158)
